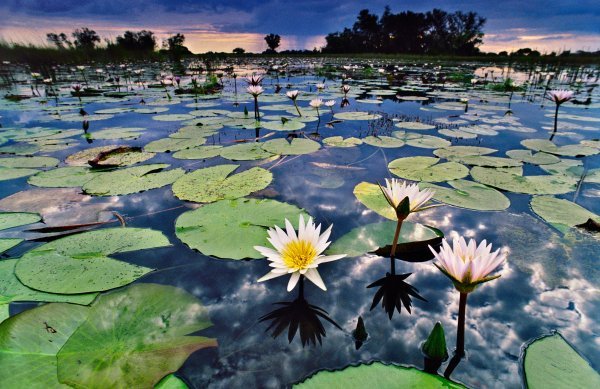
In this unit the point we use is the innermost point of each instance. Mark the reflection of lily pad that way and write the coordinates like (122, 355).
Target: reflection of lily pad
(550, 362)
(470, 195)
(297, 146)
(132, 180)
(560, 211)
(80, 263)
(427, 169)
(545, 184)
(376, 375)
(212, 228)
(217, 183)
(371, 237)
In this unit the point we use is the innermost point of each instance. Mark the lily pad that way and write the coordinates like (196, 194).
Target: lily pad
(421, 140)
(338, 141)
(427, 169)
(469, 195)
(113, 155)
(16, 219)
(278, 125)
(550, 362)
(200, 152)
(8, 243)
(118, 133)
(462, 151)
(561, 212)
(297, 146)
(575, 150)
(370, 196)
(145, 325)
(28, 162)
(216, 183)
(7, 173)
(212, 228)
(373, 237)
(64, 177)
(132, 180)
(80, 263)
(415, 125)
(527, 156)
(383, 141)
(167, 145)
(506, 180)
(245, 152)
(358, 115)
(376, 375)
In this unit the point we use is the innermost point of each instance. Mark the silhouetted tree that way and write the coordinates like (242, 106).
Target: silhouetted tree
(59, 40)
(273, 41)
(85, 38)
(137, 41)
(238, 50)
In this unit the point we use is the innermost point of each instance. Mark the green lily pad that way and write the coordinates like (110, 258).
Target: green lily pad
(415, 126)
(561, 212)
(358, 115)
(550, 362)
(16, 219)
(148, 326)
(216, 183)
(278, 125)
(372, 237)
(167, 145)
(8, 243)
(7, 173)
(457, 134)
(245, 152)
(297, 146)
(174, 117)
(370, 196)
(383, 141)
(20, 149)
(427, 169)
(28, 347)
(487, 161)
(469, 195)
(118, 133)
(80, 263)
(212, 228)
(527, 156)
(113, 155)
(338, 141)
(576, 150)
(132, 180)
(28, 162)
(376, 375)
(462, 151)
(171, 382)
(64, 177)
(200, 152)
(421, 140)
(11, 289)
(506, 180)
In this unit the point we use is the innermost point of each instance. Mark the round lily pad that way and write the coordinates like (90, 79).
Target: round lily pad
(575, 150)
(278, 125)
(427, 169)
(245, 152)
(113, 155)
(297, 146)
(470, 195)
(421, 140)
(7, 173)
(415, 125)
(212, 228)
(527, 156)
(338, 141)
(200, 152)
(28, 162)
(64, 177)
(509, 181)
(383, 141)
(370, 196)
(132, 180)
(167, 145)
(462, 151)
(561, 211)
(81, 263)
(16, 219)
(358, 115)
(217, 183)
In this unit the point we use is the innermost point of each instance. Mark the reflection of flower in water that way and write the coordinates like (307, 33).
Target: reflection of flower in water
(394, 292)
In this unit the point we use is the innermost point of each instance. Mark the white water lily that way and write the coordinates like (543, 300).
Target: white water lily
(316, 103)
(396, 190)
(345, 89)
(255, 90)
(320, 86)
(560, 96)
(298, 255)
(254, 80)
(468, 265)
(329, 103)
(293, 94)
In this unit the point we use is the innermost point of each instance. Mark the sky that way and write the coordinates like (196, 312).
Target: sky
(222, 25)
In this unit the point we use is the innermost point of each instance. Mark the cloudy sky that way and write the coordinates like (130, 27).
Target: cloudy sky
(221, 25)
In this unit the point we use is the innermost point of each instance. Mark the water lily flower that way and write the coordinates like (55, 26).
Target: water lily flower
(320, 86)
(255, 90)
(293, 94)
(80, 67)
(560, 96)
(35, 75)
(345, 89)
(329, 103)
(396, 190)
(468, 265)
(254, 80)
(297, 254)
(316, 103)
(76, 87)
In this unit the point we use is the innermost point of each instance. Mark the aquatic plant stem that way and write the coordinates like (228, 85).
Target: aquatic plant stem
(394, 245)
(555, 122)
(256, 111)
(460, 330)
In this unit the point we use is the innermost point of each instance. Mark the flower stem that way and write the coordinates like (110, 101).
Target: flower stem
(394, 245)
(297, 109)
(460, 331)
(555, 122)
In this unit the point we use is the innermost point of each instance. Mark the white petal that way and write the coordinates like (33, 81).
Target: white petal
(269, 276)
(293, 281)
(314, 276)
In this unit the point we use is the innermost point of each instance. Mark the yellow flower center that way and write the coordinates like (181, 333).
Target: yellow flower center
(299, 254)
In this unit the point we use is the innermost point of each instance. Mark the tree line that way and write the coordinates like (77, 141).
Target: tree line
(432, 32)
